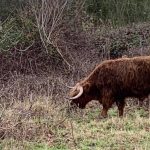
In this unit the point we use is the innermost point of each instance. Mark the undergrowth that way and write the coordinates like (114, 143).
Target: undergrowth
(45, 125)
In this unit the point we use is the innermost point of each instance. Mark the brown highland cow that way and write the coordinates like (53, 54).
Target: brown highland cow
(113, 81)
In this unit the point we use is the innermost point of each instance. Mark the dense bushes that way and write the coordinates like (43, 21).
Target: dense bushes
(8, 7)
(68, 30)
(118, 12)
(18, 32)
(20, 26)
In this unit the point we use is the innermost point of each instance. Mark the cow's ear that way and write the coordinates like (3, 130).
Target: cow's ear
(86, 87)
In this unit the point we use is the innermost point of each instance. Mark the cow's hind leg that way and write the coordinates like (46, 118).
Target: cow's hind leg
(141, 99)
(121, 105)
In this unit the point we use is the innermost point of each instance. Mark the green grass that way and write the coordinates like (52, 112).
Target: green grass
(84, 130)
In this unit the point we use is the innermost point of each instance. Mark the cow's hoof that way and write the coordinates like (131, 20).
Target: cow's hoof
(102, 117)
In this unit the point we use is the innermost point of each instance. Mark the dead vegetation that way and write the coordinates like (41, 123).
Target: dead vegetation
(33, 105)
(46, 124)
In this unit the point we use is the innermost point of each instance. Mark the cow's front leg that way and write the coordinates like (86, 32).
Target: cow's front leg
(104, 112)
(106, 107)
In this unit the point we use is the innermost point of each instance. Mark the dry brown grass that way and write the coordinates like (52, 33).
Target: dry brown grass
(47, 125)
(41, 121)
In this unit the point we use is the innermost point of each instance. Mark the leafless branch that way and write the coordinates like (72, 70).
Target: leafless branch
(49, 18)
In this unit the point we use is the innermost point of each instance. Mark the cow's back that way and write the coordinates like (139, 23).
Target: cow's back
(127, 76)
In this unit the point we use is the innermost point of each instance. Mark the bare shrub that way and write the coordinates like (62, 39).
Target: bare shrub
(49, 16)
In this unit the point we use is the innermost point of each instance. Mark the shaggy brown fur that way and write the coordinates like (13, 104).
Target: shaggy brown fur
(113, 81)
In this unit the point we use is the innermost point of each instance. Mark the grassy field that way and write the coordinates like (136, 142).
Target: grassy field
(44, 125)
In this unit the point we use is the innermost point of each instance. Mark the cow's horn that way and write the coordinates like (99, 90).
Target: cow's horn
(79, 94)
(70, 87)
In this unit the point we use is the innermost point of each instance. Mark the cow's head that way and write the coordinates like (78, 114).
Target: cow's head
(82, 93)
